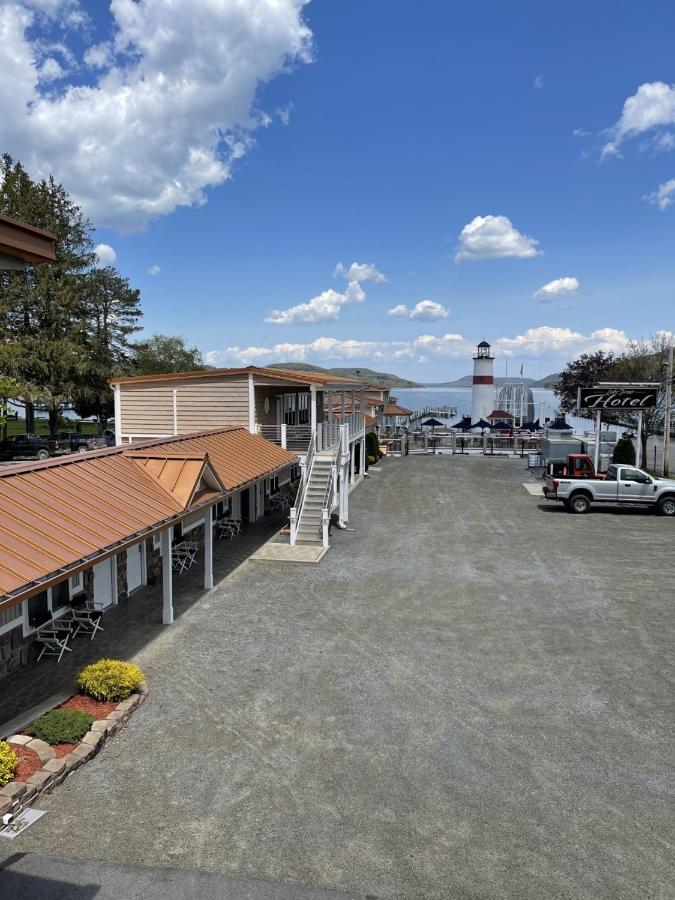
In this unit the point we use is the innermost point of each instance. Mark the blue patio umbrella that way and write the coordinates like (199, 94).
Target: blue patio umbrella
(432, 423)
(464, 424)
(481, 423)
(501, 426)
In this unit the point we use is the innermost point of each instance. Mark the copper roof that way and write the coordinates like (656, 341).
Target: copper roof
(279, 374)
(61, 515)
(393, 410)
(500, 414)
(26, 242)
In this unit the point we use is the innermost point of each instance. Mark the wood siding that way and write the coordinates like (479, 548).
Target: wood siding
(148, 409)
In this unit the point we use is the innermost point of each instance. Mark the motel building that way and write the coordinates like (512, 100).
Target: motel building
(83, 531)
(319, 418)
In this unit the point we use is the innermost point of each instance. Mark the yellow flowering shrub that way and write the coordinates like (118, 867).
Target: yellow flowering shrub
(110, 679)
(8, 763)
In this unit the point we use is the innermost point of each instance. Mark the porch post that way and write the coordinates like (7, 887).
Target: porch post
(208, 548)
(312, 414)
(352, 467)
(344, 473)
(167, 575)
(284, 440)
(251, 404)
(117, 402)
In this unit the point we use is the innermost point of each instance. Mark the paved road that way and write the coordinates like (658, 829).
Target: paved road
(470, 696)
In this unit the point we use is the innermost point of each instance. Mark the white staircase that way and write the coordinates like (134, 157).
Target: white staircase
(318, 489)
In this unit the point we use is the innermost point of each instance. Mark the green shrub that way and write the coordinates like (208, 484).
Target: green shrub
(61, 726)
(371, 460)
(8, 763)
(624, 452)
(110, 679)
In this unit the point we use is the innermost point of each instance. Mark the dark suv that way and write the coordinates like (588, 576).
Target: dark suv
(32, 446)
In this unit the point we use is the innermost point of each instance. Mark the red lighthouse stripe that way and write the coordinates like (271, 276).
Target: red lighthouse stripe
(483, 379)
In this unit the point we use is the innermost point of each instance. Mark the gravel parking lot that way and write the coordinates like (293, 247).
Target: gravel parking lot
(471, 695)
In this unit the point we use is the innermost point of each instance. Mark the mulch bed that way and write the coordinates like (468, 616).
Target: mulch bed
(61, 750)
(29, 763)
(98, 708)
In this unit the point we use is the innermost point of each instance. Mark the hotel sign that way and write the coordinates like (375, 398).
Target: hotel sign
(618, 397)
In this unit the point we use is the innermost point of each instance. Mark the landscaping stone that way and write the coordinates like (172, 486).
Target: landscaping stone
(55, 766)
(84, 751)
(100, 725)
(115, 716)
(20, 739)
(41, 779)
(6, 805)
(92, 738)
(72, 761)
(43, 750)
(13, 790)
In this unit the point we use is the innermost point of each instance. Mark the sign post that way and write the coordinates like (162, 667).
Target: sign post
(619, 397)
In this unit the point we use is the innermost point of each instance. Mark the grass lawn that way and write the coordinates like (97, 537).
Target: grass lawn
(18, 426)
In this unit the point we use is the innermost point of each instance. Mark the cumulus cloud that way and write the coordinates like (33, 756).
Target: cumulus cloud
(359, 272)
(559, 287)
(328, 303)
(105, 254)
(154, 270)
(325, 348)
(425, 309)
(556, 345)
(171, 105)
(493, 237)
(664, 195)
(651, 106)
(561, 343)
(539, 82)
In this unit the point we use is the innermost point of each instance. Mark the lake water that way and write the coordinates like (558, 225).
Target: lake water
(419, 398)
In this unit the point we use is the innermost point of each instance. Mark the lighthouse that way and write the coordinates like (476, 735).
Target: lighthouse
(483, 390)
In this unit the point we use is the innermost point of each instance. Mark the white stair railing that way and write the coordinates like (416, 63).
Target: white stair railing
(306, 469)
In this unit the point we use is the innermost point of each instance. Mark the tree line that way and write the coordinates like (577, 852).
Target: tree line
(643, 361)
(66, 327)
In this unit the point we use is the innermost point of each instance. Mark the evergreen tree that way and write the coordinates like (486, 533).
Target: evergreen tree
(162, 353)
(41, 335)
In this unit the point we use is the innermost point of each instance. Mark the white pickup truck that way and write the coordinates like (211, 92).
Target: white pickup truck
(624, 485)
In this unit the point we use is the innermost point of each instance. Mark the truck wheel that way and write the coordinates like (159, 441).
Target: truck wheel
(579, 504)
(43, 454)
(667, 506)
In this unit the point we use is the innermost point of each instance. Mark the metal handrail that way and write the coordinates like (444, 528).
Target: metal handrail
(302, 490)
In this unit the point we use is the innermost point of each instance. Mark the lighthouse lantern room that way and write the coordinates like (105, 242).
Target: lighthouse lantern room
(483, 388)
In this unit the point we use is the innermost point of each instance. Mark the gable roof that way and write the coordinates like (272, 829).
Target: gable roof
(277, 374)
(62, 515)
(393, 410)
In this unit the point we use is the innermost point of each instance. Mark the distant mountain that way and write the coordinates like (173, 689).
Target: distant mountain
(386, 379)
(467, 380)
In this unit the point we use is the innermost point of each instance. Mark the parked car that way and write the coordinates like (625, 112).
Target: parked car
(30, 446)
(623, 485)
(75, 442)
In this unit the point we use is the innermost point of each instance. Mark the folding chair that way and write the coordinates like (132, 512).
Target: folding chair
(54, 640)
(87, 620)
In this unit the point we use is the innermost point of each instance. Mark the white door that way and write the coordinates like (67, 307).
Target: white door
(103, 586)
(134, 568)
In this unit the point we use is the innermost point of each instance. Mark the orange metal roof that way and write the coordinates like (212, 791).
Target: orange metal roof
(393, 410)
(279, 374)
(57, 515)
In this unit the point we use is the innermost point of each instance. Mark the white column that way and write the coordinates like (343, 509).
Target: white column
(312, 410)
(115, 586)
(236, 505)
(117, 400)
(208, 549)
(251, 404)
(638, 442)
(352, 467)
(284, 439)
(251, 503)
(167, 576)
(596, 455)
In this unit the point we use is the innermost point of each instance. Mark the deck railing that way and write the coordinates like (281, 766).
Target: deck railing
(291, 437)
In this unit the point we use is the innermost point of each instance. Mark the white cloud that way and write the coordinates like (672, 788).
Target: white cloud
(559, 287)
(326, 305)
(105, 254)
(556, 345)
(325, 348)
(359, 272)
(50, 70)
(154, 270)
(651, 106)
(539, 82)
(425, 309)
(99, 56)
(664, 195)
(492, 237)
(170, 108)
(561, 343)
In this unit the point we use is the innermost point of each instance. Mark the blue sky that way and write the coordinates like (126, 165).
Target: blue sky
(468, 154)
